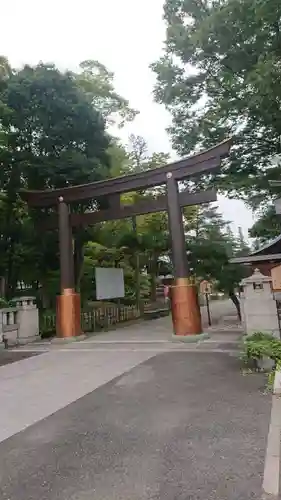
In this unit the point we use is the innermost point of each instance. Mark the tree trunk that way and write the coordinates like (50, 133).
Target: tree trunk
(236, 302)
(137, 264)
(11, 281)
(153, 277)
(45, 297)
(78, 261)
(153, 293)
(2, 286)
(137, 279)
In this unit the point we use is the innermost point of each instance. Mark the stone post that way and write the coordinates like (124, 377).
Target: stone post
(259, 311)
(27, 319)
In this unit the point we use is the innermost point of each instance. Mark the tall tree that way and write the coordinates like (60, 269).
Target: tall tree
(98, 84)
(220, 76)
(243, 247)
(144, 240)
(267, 226)
(53, 137)
(210, 245)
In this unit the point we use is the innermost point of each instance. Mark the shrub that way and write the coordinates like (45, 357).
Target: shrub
(261, 345)
(3, 303)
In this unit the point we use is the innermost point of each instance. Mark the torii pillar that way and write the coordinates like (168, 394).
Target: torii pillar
(184, 299)
(68, 322)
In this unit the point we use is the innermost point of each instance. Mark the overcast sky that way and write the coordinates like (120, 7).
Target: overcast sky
(125, 35)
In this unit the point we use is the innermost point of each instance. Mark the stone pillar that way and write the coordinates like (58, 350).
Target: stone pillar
(68, 303)
(259, 311)
(27, 319)
(184, 299)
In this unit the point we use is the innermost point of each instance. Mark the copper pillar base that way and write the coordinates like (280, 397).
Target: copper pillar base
(185, 308)
(68, 321)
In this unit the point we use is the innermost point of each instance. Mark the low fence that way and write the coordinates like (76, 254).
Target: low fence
(94, 320)
(9, 326)
(20, 323)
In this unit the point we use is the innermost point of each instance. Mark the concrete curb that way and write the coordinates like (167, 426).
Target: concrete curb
(68, 340)
(277, 383)
(190, 338)
(270, 483)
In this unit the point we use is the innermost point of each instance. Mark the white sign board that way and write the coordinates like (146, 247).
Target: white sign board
(109, 283)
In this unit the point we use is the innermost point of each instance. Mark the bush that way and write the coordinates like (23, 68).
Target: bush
(261, 345)
(3, 303)
(257, 349)
(48, 334)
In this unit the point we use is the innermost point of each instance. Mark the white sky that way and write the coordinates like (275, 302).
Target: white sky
(125, 35)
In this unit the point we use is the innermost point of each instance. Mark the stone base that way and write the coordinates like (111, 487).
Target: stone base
(22, 341)
(277, 383)
(265, 364)
(28, 340)
(67, 340)
(190, 338)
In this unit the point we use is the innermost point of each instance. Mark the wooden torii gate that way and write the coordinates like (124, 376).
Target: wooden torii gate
(185, 307)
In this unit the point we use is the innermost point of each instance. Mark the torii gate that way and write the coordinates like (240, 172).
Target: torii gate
(185, 308)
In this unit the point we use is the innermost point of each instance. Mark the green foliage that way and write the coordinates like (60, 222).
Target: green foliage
(220, 77)
(267, 226)
(242, 246)
(56, 138)
(144, 238)
(3, 303)
(53, 134)
(97, 82)
(139, 159)
(211, 244)
(97, 255)
(260, 345)
(52, 127)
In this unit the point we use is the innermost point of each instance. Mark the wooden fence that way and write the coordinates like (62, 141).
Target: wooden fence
(94, 320)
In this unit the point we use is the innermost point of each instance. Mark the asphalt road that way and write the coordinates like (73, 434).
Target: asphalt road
(179, 426)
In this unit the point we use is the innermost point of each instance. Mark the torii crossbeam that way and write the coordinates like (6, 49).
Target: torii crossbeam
(185, 307)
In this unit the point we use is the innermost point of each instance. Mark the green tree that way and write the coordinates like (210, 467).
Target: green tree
(98, 84)
(143, 235)
(220, 76)
(210, 245)
(154, 242)
(267, 226)
(243, 247)
(150, 231)
(53, 137)
(139, 158)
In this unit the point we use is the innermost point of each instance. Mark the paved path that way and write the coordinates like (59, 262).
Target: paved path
(180, 426)
(41, 385)
(161, 329)
(150, 332)
(34, 388)
(130, 415)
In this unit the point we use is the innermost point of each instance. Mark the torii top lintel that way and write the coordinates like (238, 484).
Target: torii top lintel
(201, 163)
